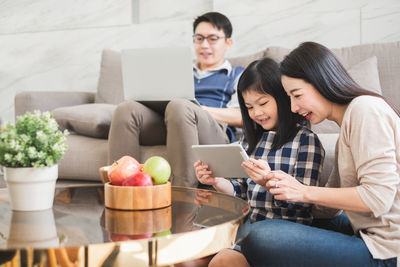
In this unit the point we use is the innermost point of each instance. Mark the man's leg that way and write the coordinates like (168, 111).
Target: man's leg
(188, 124)
(134, 124)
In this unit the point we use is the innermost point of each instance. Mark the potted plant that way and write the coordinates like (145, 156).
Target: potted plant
(29, 151)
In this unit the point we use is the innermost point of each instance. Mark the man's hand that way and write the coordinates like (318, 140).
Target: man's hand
(230, 116)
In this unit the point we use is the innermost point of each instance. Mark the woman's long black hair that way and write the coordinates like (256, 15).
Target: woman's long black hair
(317, 65)
(263, 76)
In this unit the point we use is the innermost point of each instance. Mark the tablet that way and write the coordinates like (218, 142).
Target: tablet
(223, 160)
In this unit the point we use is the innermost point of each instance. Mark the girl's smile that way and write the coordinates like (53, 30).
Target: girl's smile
(262, 109)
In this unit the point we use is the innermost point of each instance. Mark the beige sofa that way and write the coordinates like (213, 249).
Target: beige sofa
(374, 66)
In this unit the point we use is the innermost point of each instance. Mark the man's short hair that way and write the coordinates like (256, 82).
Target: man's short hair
(216, 19)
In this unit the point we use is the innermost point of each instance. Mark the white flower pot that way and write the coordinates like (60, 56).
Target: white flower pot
(31, 189)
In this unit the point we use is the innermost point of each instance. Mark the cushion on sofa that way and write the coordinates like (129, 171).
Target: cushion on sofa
(366, 74)
(84, 157)
(109, 89)
(244, 61)
(90, 119)
(388, 64)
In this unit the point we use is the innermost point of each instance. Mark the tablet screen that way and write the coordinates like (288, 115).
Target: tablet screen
(223, 160)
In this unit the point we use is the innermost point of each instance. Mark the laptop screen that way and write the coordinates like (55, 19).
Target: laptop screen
(157, 74)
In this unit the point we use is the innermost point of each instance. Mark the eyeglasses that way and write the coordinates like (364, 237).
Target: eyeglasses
(211, 39)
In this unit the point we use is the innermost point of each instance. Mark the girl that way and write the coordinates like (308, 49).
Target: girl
(366, 173)
(274, 140)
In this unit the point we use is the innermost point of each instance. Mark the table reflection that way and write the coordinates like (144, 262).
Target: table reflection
(32, 229)
(130, 225)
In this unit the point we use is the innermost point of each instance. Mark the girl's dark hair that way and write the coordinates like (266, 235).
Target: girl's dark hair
(263, 76)
(216, 19)
(317, 65)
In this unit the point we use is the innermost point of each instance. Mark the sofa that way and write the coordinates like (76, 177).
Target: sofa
(88, 115)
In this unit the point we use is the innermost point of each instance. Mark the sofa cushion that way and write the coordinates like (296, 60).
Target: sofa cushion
(388, 56)
(110, 89)
(91, 120)
(366, 74)
(244, 61)
(328, 142)
(83, 158)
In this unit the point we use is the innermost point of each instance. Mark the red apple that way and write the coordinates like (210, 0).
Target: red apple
(118, 237)
(122, 169)
(139, 236)
(138, 179)
(121, 237)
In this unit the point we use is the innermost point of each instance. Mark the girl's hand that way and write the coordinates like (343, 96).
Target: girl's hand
(203, 174)
(202, 196)
(257, 169)
(285, 187)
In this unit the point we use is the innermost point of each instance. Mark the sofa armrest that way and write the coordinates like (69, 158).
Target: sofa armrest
(49, 100)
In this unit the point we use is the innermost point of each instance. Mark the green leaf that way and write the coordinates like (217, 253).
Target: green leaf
(34, 141)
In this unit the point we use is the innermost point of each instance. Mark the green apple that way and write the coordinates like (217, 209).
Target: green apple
(163, 233)
(158, 168)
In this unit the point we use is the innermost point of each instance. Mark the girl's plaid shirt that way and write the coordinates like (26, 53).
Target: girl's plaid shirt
(302, 157)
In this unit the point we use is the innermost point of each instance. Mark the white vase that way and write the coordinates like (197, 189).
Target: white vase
(31, 189)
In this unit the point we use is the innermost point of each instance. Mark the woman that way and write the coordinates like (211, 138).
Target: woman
(366, 173)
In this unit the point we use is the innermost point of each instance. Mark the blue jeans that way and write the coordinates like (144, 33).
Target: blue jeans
(327, 243)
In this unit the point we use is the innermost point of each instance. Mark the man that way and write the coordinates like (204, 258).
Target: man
(184, 123)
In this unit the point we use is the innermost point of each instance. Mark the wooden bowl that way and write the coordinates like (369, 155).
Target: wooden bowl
(104, 174)
(137, 222)
(137, 197)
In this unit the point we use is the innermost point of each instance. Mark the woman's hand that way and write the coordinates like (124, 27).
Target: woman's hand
(203, 174)
(285, 187)
(257, 169)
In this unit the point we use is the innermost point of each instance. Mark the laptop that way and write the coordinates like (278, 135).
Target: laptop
(154, 76)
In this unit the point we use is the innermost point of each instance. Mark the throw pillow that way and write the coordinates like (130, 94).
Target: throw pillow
(110, 89)
(244, 61)
(89, 119)
(366, 74)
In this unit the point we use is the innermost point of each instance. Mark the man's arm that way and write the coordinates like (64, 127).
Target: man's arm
(231, 116)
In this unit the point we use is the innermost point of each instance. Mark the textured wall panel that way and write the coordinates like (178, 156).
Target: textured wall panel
(380, 21)
(48, 15)
(159, 11)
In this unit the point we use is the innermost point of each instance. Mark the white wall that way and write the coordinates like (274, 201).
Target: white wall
(56, 45)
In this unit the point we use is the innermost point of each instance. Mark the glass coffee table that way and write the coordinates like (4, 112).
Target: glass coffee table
(80, 231)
